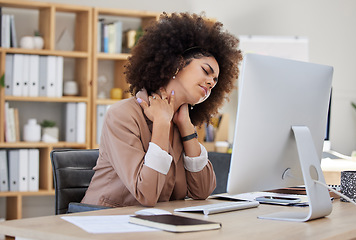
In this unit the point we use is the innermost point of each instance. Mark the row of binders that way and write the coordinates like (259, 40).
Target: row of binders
(8, 33)
(19, 170)
(109, 36)
(75, 121)
(33, 75)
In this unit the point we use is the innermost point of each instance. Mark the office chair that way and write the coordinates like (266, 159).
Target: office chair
(221, 165)
(72, 173)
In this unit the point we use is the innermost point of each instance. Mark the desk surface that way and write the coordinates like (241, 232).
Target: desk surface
(243, 224)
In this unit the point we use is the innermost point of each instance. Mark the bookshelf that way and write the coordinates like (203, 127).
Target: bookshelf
(47, 19)
(130, 20)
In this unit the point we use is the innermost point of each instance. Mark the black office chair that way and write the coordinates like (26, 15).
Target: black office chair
(221, 165)
(72, 173)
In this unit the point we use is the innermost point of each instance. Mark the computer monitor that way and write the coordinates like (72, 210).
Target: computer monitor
(280, 129)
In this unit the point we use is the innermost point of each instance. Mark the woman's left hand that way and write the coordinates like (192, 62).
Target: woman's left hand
(182, 119)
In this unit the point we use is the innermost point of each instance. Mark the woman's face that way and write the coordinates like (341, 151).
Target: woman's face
(194, 82)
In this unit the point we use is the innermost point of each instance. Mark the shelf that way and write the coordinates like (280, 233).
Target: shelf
(69, 54)
(112, 56)
(42, 145)
(25, 194)
(46, 99)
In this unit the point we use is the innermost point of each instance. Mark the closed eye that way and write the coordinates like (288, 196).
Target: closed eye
(205, 71)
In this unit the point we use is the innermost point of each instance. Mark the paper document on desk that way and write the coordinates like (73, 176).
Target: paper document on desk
(106, 224)
(253, 195)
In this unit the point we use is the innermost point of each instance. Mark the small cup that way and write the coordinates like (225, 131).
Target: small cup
(348, 185)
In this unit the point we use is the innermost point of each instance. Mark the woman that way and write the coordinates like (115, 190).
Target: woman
(180, 72)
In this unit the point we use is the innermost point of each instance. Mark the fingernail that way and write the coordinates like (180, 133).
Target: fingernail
(172, 92)
(139, 100)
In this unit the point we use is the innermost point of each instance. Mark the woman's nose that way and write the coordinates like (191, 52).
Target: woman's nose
(210, 82)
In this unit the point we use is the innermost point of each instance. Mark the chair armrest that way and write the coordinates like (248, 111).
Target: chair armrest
(74, 207)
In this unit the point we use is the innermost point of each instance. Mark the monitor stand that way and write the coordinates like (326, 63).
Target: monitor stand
(318, 195)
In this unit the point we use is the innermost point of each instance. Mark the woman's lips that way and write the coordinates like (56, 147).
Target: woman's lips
(205, 90)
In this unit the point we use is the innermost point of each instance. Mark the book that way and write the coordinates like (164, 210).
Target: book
(13, 36)
(174, 223)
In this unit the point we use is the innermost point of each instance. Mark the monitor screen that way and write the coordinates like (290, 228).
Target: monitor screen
(276, 95)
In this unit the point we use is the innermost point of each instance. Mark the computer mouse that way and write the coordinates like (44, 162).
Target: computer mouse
(152, 211)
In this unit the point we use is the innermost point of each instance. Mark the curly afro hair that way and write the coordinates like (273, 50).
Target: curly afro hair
(170, 44)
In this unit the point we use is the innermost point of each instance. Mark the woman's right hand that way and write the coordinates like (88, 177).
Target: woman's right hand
(160, 107)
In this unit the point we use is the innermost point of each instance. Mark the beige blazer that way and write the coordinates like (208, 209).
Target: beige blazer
(121, 178)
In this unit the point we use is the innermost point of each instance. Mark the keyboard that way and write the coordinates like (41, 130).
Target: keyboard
(219, 207)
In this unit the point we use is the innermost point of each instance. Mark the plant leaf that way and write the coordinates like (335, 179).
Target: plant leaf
(354, 105)
(2, 80)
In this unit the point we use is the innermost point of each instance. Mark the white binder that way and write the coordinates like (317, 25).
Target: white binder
(34, 75)
(4, 184)
(33, 169)
(9, 69)
(42, 82)
(100, 115)
(71, 115)
(25, 75)
(59, 76)
(51, 76)
(17, 75)
(13, 161)
(23, 170)
(81, 121)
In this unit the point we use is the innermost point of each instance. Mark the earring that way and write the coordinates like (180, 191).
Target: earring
(191, 107)
(174, 77)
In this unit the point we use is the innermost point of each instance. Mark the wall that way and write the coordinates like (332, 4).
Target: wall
(329, 26)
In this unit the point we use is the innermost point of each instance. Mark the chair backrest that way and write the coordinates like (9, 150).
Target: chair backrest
(72, 173)
(221, 165)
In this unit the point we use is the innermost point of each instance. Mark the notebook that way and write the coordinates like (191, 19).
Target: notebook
(174, 223)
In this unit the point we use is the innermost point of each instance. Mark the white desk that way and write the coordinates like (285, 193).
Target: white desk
(242, 224)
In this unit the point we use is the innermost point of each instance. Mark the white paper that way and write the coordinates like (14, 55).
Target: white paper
(106, 224)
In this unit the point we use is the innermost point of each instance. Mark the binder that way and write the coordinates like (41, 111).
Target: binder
(25, 75)
(42, 80)
(9, 68)
(71, 113)
(34, 75)
(17, 74)
(100, 115)
(23, 170)
(81, 123)
(4, 184)
(51, 76)
(33, 169)
(13, 161)
(59, 76)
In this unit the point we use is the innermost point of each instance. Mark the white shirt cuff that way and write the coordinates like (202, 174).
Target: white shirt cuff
(158, 159)
(196, 164)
